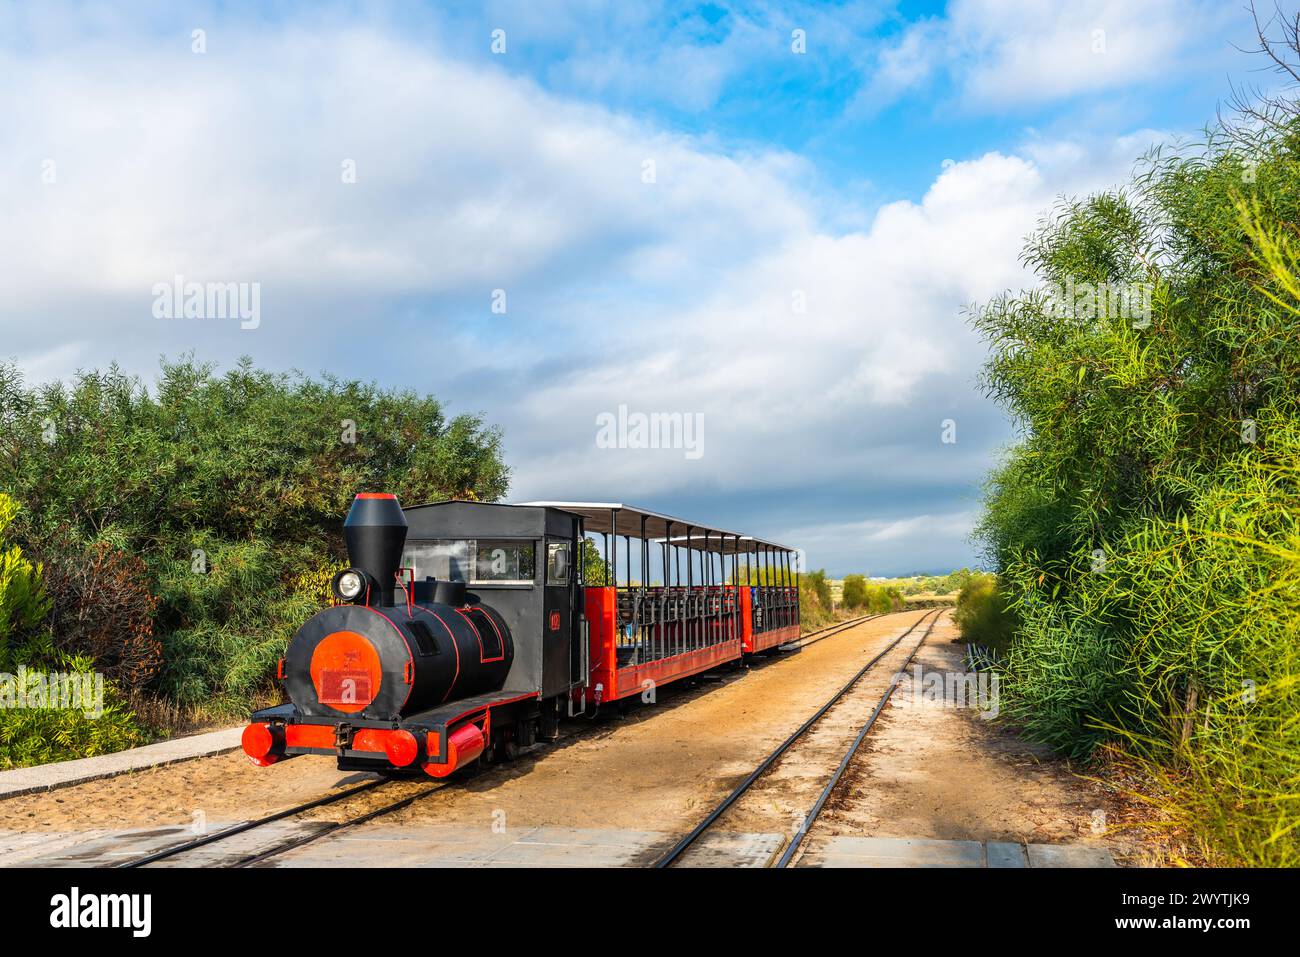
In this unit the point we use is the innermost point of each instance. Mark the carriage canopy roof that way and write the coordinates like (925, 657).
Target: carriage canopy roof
(606, 517)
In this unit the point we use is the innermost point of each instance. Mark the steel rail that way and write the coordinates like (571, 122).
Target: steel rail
(247, 826)
(830, 631)
(336, 826)
(680, 847)
(822, 798)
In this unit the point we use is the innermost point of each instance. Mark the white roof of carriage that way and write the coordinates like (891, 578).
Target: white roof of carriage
(624, 519)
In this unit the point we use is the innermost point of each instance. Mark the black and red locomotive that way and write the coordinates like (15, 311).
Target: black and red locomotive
(463, 631)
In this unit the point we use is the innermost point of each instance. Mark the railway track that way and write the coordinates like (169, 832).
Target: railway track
(803, 641)
(289, 844)
(792, 846)
(294, 842)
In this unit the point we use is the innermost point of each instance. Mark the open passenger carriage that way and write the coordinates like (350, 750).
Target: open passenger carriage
(681, 598)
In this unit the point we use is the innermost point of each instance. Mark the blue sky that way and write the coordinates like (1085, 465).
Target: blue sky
(793, 273)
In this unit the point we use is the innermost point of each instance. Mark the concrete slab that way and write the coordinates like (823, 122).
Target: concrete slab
(459, 845)
(901, 852)
(104, 848)
(733, 849)
(47, 777)
(442, 845)
(227, 851)
(1005, 854)
(24, 848)
(455, 845)
(93, 848)
(893, 852)
(1069, 855)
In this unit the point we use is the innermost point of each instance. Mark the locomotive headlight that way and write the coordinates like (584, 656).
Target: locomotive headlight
(348, 584)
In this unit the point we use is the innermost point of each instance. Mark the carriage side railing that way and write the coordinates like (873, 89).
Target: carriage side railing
(657, 622)
(774, 606)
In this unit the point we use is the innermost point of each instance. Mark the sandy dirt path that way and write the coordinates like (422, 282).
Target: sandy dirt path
(779, 800)
(931, 769)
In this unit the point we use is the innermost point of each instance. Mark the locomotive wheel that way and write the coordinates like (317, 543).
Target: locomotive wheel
(525, 735)
(505, 749)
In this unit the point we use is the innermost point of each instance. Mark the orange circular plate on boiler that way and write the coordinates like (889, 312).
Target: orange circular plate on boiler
(346, 672)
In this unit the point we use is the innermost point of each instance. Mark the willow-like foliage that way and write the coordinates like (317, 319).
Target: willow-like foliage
(1146, 527)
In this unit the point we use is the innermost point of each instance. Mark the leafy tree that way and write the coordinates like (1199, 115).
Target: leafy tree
(954, 581)
(595, 570)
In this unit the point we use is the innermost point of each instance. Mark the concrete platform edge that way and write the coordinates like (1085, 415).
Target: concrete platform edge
(50, 777)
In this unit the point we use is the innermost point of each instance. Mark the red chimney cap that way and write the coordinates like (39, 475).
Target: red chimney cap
(375, 495)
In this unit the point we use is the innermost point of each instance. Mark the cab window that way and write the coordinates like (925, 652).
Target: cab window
(473, 561)
(503, 562)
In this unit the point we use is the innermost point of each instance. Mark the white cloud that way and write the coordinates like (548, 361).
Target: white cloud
(682, 56)
(47, 364)
(1000, 52)
(229, 165)
(881, 347)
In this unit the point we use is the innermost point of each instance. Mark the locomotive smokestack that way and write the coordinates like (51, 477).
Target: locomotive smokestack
(375, 531)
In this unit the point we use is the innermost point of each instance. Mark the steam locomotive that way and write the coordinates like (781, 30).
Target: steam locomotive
(450, 643)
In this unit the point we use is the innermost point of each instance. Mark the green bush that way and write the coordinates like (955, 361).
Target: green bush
(815, 600)
(102, 608)
(40, 735)
(1147, 527)
(855, 592)
(874, 598)
(929, 584)
(33, 728)
(223, 631)
(982, 614)
(881, 599)
(23, 604)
